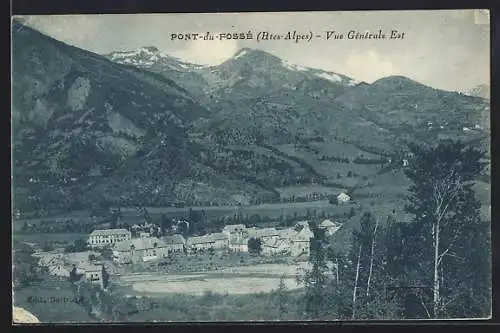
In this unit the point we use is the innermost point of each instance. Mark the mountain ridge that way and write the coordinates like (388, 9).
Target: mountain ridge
(158, 134)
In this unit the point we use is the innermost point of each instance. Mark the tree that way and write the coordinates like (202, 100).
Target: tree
(105, 277)
(315, 280)
(362, 241)
(282, 299)
(165, 223)
(446, 213)
(333, 200)
(80, 245)
(255, 245)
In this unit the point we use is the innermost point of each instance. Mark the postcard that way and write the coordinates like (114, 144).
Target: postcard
(291, 166)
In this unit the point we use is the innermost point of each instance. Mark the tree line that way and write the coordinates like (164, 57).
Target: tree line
(435, 266)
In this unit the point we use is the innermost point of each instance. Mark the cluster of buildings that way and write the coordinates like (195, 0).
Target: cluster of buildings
(294, 241)
(57, 265)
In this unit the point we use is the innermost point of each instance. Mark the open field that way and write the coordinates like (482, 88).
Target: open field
(235, 285)
(235, 280)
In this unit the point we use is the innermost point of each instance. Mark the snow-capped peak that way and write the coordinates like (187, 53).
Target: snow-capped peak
(148, 56)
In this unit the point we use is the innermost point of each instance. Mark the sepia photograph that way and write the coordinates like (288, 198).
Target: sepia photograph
(251, 167)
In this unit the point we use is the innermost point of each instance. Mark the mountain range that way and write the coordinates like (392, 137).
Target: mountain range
(143, 127)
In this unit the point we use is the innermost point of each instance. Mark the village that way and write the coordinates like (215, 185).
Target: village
(115, 251)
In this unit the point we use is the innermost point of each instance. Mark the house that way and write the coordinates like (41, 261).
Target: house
(234, 230)
(102, 238)
(214, 241)
(238, 245)
(139, 250)
(174, 243)
(343, 197)
(329, 227)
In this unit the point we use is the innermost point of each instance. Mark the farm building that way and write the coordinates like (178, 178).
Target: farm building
(343, 197)
(140, 250)
(174, 243)
(214, 241)
(101, 238)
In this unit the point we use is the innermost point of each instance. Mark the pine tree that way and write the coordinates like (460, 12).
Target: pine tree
(282, 299)
(316, 279)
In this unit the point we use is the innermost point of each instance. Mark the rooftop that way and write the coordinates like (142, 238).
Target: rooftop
(106, 232)
(234, 227)
(139, 244)
(173, 239)
(265, 232)
(327, 223)
(206, 238)
(88, 267)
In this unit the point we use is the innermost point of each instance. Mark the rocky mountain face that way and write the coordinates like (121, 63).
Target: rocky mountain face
(143, 127)
(86, 129)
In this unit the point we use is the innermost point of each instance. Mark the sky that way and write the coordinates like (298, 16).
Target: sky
(446, 49)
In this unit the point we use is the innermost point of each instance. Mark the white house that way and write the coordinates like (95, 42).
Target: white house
(300, 242)
(140, 250)
(105, 237)
(342, 197)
